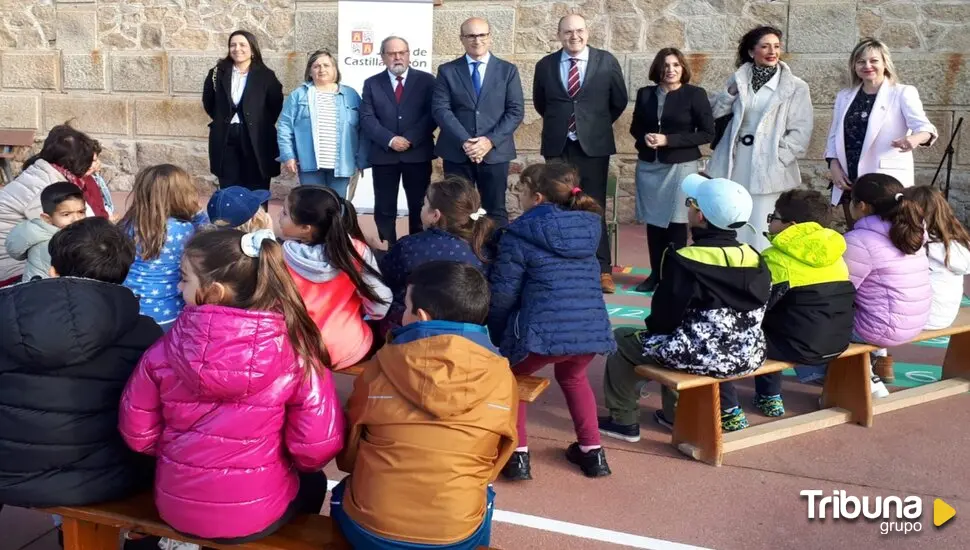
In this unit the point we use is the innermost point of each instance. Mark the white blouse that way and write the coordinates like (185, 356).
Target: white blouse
(238, 86)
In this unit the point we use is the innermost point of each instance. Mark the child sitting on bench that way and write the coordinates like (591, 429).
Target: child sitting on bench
(62, 204)
(432, 422)
(236, 400)
(706, 313)
(809, 317)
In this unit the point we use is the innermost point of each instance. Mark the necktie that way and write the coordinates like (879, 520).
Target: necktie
(572, 89)
(399, 89)
(477, 78)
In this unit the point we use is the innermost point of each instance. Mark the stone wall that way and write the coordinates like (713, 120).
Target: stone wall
(130, 72)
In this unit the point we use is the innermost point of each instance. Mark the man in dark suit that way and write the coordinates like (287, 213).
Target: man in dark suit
(478, 104)
(579, 92)
(395, 116)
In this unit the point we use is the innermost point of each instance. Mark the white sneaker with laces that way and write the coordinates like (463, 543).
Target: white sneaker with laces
(877, 387)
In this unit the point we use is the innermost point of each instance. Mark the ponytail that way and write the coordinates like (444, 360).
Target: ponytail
(257, 279)
(462, 215)
(334, 222)
(559, 183)
(895, 204)
(275, 286)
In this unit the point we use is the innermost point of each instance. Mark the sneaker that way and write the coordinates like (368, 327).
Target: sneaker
(518, 468)
(626, 432)
(877, 387)
(733, 420)
(659, 418)
(592, 463)
(606, 281)
(883, 368)
(770, 405)
(648, 285)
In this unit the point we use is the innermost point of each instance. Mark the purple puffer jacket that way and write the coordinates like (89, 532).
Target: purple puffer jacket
(893, 292)
(223, 403)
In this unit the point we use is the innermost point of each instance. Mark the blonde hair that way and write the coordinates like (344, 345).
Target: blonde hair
(862, 48)
(260, 220)
(160, 192)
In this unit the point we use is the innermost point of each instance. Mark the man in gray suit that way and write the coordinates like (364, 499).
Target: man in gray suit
(579, 92)
(478, 104)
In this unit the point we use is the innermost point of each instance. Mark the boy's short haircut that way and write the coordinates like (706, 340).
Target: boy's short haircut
(56, 193)
(92, 248)
(804, 205)
(450, 291)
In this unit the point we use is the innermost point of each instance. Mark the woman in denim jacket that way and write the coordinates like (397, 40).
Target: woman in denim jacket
(317, 130)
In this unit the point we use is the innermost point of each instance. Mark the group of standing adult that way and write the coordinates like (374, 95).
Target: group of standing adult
(761, 122)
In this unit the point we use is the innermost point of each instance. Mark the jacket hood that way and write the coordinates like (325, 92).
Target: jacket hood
(309, 261)
(566, 233)
(811, 244)
(51, 323)
(227, 353)
(959, 261)
(28, 234)
(443, 368)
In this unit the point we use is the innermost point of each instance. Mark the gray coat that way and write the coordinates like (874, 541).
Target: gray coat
(28, 240)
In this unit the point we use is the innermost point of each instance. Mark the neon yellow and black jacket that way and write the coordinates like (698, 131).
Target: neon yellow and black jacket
(705, 317)
(810, 314)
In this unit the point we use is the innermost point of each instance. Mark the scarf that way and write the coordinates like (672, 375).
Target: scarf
(760, 76)
(89, 190)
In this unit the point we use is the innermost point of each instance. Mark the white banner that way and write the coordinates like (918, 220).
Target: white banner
(361, 26)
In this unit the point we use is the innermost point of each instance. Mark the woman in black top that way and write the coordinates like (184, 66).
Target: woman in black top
(244, 98)
(670, 121)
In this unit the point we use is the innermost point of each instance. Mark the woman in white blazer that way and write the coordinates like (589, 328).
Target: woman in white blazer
(770, 129)
(876, 124)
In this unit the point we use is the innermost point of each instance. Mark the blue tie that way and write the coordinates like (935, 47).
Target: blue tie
(477, 78)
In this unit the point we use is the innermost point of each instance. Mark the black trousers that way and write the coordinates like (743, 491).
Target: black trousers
(659, 238)
(594, 173)
(766, 384)
(309, 500)
(416, 176)
(239, 166)
(491, 180)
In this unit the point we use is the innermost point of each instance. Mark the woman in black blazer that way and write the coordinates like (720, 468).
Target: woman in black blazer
(244, 98)
(670, 122)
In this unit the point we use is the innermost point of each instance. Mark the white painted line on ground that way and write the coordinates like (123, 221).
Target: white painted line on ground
(578, 530)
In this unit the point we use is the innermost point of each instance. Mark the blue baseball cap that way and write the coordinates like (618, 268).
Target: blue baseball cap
(234, 206)
(725, 203)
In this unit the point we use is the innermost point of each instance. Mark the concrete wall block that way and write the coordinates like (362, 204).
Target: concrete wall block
(187, 71)
(30, 70)
(83, 71)
(174, 117)
(76, 28)
(97, 114)
(138, 73)
(19, 111)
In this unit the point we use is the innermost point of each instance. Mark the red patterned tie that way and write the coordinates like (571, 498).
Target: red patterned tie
(399, 89)
(573, 88)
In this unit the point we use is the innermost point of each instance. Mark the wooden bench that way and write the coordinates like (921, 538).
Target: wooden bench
(847, 397)
(530, 387)
(9, 141)
(100, 527)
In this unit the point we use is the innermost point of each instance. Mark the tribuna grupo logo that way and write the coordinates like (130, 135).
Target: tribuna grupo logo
(901, 515)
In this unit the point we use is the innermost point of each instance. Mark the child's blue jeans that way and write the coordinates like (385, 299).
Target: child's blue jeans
(816, 373)
(361, 539)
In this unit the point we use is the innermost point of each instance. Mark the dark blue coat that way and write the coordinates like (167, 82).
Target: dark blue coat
(546, 292)
(414, 251)
(382, 118)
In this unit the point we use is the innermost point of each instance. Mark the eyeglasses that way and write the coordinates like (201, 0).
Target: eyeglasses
(691, 202)
(474, 37)
(772, 217)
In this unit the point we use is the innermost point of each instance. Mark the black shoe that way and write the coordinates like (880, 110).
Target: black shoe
(648, 285)
(145, 543)
(517, 468)
(659, 418)
(592, 463)
(60, 537)
(626, 432)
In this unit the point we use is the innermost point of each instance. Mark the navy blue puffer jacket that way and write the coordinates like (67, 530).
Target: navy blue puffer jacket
(546, 293)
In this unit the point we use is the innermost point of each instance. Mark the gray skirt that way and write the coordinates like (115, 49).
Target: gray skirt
(660, 202)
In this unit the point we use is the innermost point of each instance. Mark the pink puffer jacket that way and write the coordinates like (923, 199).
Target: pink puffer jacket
(893, 292)
(222, 402)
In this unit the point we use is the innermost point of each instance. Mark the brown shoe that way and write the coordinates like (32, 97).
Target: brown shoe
(606, 281)
(883, 368)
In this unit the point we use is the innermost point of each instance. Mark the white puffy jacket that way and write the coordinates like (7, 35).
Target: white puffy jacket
(947, 282)
(20, 201)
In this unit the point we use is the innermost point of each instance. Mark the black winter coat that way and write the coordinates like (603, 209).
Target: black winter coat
(260, 107)
(67, 348)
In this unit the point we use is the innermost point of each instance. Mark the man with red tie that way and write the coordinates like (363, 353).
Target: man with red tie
(395, 117)
(579, 92)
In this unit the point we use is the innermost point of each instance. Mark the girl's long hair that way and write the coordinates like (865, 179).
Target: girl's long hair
(559, 182)
(894, 203)
(160, 192)
(334, 222)
(457, 200)
(941, 223)
(262, 284)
